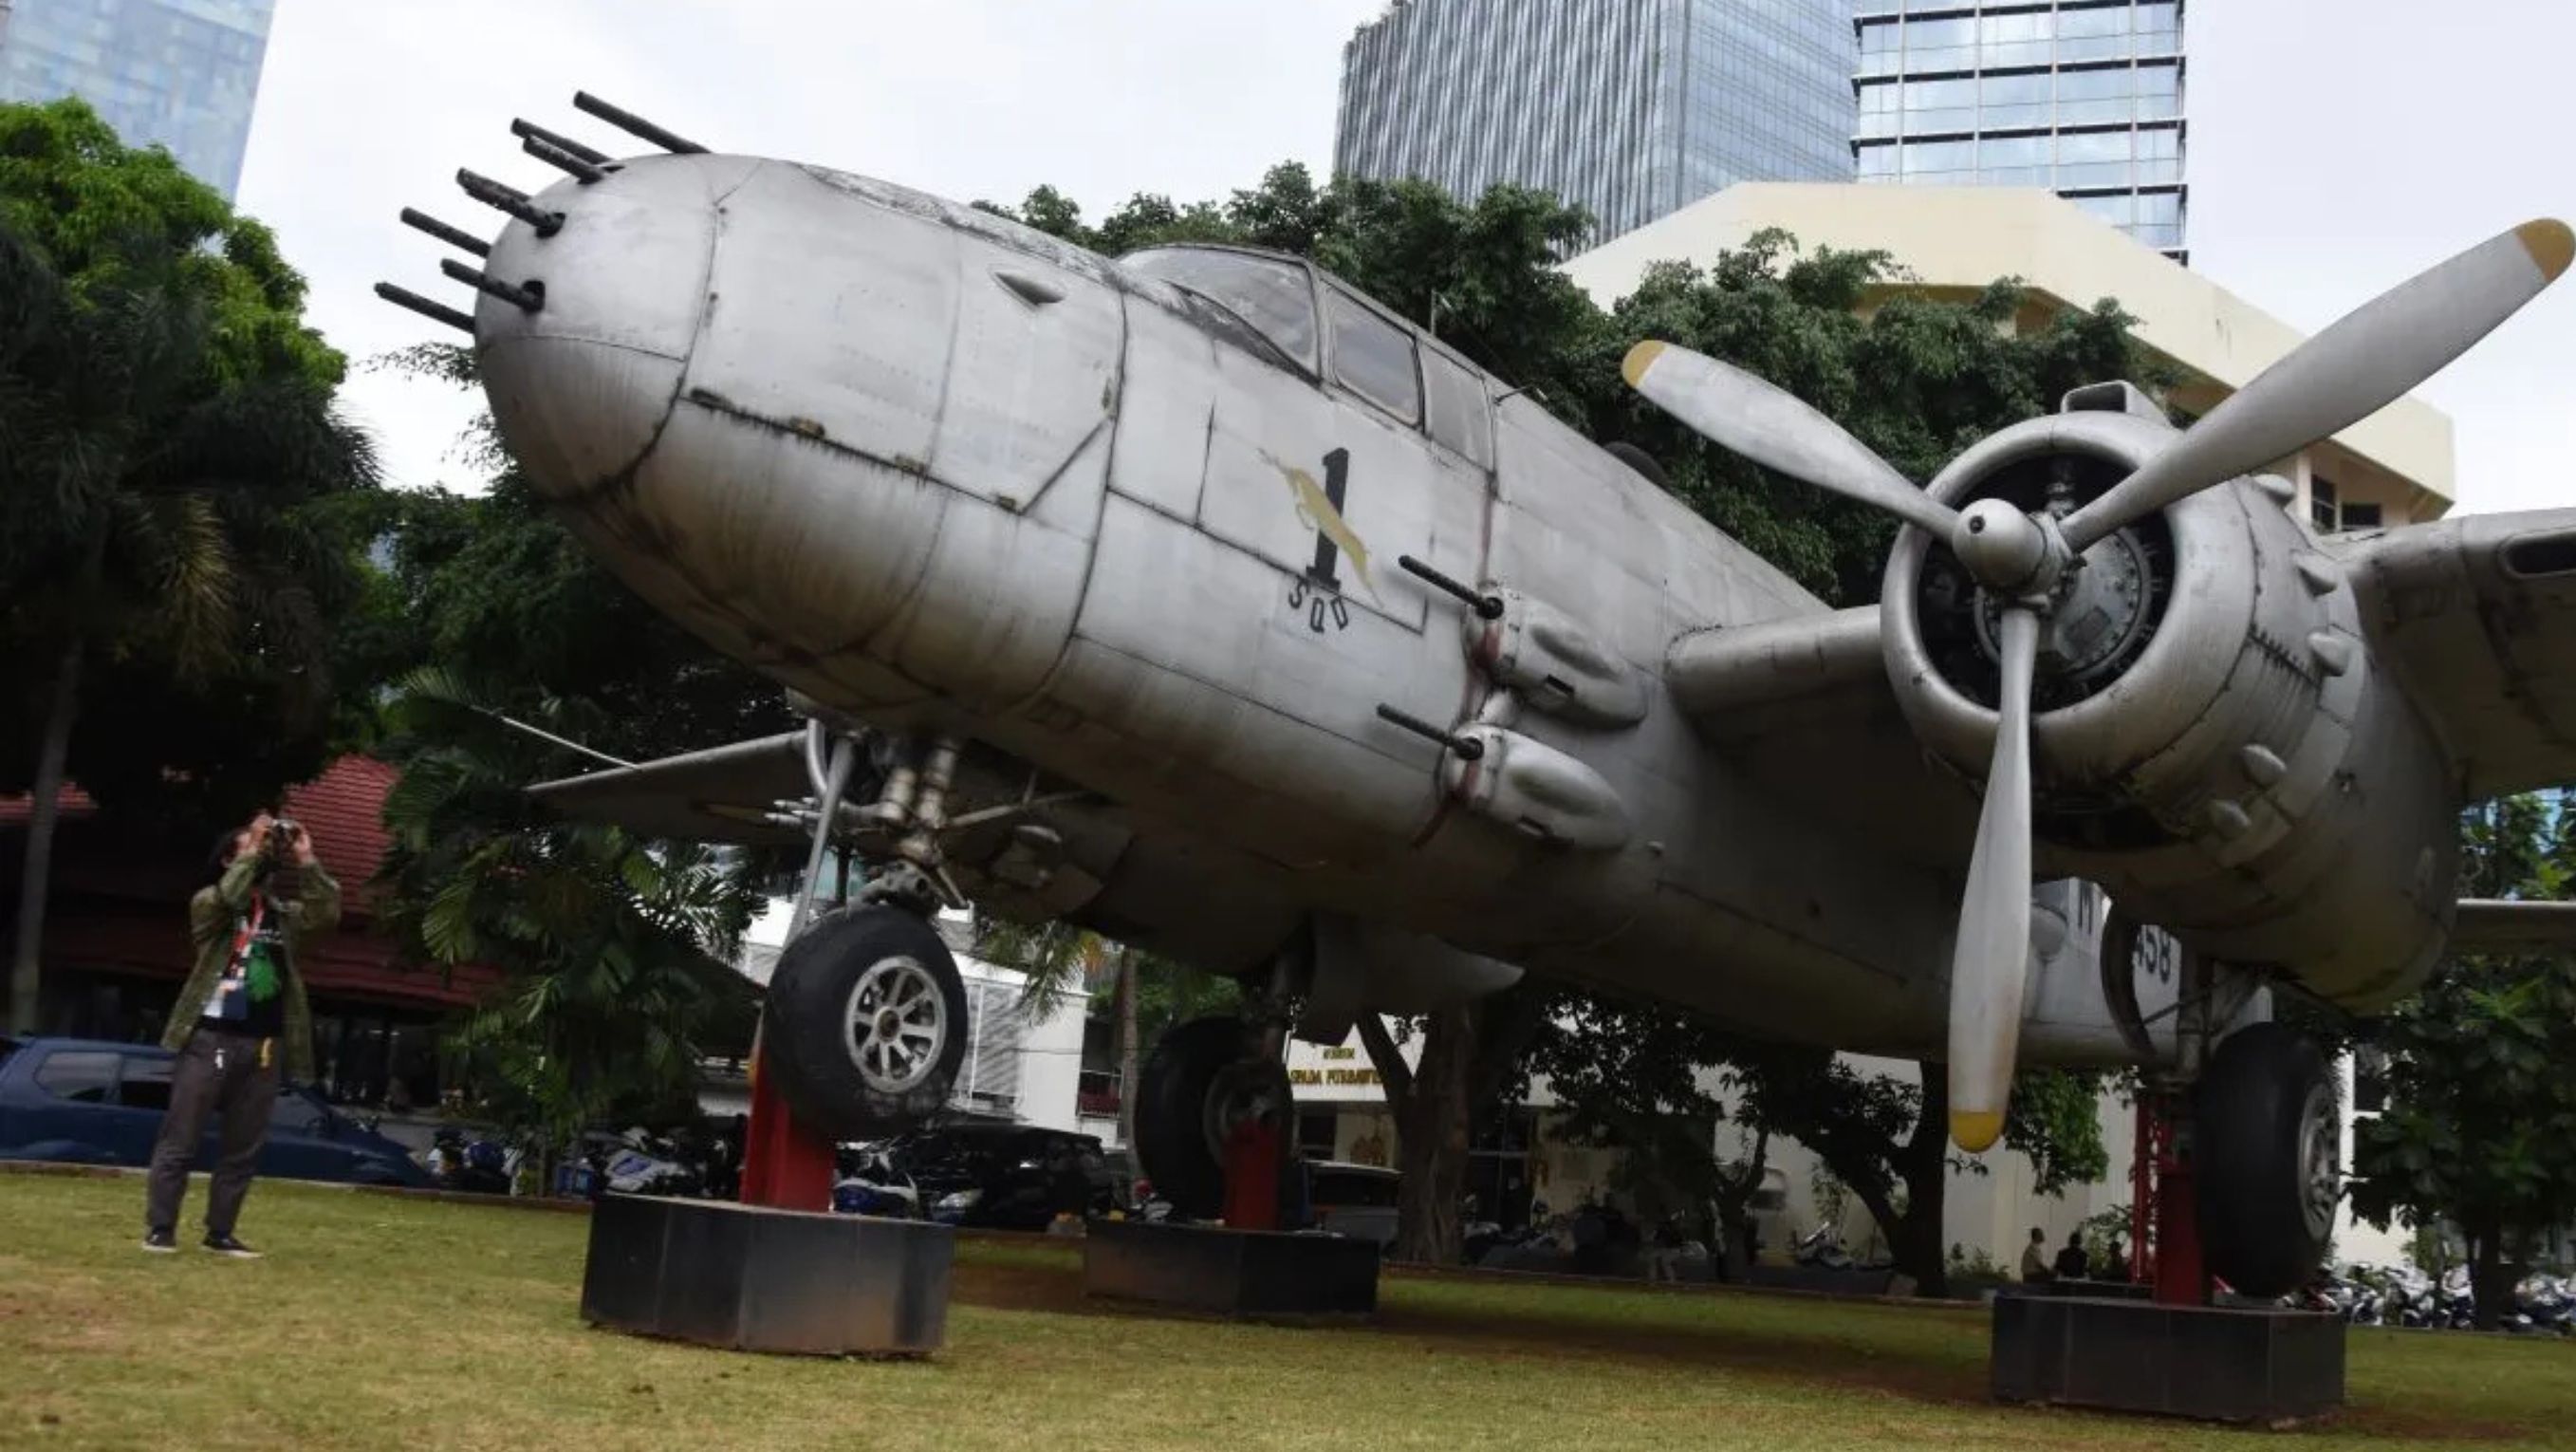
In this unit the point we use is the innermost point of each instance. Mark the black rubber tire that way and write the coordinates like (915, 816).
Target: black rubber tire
(2248, 1115)
(805, 1028)
(1171, 1105)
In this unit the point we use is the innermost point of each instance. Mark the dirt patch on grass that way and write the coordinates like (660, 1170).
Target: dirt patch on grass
(1019, 1287)
(1665, 1344)
(1658, 1339)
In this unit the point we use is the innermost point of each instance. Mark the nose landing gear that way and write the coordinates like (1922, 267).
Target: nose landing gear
(866, 1023)
(865, 1027)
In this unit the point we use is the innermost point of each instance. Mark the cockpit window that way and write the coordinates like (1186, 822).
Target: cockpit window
(1274, 297)
(1373, 357)
(1457, 399)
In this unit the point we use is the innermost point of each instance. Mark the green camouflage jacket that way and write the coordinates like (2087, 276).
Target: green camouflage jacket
(214, 915)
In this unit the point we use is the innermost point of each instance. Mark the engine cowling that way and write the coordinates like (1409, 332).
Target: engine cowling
(2292, 847)
(2210, 739)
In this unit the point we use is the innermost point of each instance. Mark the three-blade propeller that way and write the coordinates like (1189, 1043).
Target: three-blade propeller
(2369, 359)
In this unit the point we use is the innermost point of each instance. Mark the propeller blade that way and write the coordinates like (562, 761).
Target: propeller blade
(2367, 360)
(1992, 958)
(1744, 415)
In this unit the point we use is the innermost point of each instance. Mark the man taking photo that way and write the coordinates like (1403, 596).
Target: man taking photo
(240, 1019)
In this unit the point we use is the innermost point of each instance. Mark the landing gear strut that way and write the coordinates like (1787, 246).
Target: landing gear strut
(1213, 1121)
(865, 1026)
(2238, 1166)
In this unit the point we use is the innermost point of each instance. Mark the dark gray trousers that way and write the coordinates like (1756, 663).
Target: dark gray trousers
(219, 1073)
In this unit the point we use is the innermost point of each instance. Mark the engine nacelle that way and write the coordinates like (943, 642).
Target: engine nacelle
(2211, 741)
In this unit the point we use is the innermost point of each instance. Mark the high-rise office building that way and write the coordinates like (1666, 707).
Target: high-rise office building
(179, 73)
(1630, 108)
(2083, 96)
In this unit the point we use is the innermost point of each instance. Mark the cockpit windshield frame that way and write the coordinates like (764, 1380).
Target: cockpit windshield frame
(1248, 287)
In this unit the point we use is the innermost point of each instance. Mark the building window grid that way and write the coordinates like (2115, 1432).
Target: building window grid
(1990, 49)
(1643, 126)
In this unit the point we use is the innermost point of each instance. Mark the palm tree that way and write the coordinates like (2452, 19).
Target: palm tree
(150, 500)
(614, 950)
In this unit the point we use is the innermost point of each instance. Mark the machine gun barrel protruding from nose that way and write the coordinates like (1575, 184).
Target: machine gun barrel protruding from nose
(527, 130)
(562, 160)
(453, 236)
(509, 199)
(403, 297)
(530, 298)
(634, 125)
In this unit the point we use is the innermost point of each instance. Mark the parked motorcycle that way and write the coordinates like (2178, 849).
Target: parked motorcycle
(1822, 1248)
(869, 1183)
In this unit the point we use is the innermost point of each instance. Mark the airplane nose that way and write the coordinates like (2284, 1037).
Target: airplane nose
(581, 383)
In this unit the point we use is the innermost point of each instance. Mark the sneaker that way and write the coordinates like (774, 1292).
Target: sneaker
(160, 1242)
(227, 1246)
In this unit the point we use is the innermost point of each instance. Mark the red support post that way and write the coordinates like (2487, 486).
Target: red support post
(2164, 1214)
(785, 1165)
(2143, 1153)
(1252, 1174)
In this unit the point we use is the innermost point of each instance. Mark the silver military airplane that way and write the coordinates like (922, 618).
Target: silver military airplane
(1196, 598)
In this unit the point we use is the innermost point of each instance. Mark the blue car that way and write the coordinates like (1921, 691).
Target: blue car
(84, 1102)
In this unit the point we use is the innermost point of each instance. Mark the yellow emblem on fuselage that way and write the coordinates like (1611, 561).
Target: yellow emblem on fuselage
(1315, 510)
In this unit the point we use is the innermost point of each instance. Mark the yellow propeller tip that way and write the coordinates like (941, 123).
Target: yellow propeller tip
(1975, 1130)
(1640, 358)
(2550, 244)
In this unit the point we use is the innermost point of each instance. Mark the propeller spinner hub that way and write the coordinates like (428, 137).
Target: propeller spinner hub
(2003, 548)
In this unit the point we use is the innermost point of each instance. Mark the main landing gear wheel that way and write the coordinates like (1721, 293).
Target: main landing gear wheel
(866, 1024)
(2267, 1159)
(1201, 1082)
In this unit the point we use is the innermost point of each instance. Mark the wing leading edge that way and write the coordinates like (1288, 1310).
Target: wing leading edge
(723, 794)
(2476, 617)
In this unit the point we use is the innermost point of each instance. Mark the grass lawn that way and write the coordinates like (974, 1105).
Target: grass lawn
(384, 1322)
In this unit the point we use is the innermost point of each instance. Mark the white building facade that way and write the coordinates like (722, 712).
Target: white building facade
(1023, 1058)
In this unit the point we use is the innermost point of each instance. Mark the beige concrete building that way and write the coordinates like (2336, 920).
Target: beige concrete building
(2394, 467)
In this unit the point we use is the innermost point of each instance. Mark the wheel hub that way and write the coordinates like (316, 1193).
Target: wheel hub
(1241, 1092)
(897, 1025)
(2320, 1161)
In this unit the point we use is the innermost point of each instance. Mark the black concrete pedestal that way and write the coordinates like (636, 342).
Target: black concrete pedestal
(757, 1279)
(2225, 1365)
(1253, 1273)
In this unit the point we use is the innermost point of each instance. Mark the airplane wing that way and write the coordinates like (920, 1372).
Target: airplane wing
(1803, 704)
(723, 794)
(2497, 925)
(2477, 618)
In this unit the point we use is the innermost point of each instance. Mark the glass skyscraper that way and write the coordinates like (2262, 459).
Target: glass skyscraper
(1630, 108)
(180, 73)
(2084, 96)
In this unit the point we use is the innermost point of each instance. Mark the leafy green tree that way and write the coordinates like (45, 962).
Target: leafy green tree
(169, 463)
(1469, 1056)
(615, 951)
(2480, 1125)
(1653, 1083)
(1640, 1080)
(497, 593)
(1917, 378)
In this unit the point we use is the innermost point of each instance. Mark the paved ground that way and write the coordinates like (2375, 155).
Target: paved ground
(380, 1322)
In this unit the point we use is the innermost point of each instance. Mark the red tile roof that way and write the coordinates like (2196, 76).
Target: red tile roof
(344, 809)
(71, 802)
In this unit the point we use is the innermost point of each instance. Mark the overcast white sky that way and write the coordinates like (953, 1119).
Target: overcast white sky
(2337, 146)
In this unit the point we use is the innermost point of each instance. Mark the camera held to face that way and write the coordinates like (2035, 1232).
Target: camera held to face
(278, 860)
